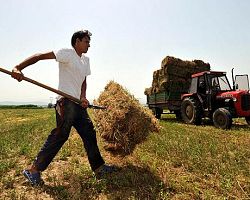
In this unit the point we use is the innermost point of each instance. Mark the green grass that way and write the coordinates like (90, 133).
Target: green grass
(180, 162)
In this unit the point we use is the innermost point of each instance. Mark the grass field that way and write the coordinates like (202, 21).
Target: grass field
(181, 162)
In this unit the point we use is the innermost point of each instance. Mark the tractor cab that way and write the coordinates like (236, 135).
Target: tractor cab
(206, 86)
(208, 81)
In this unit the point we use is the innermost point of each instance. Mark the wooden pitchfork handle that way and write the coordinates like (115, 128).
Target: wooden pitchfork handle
(53, 90)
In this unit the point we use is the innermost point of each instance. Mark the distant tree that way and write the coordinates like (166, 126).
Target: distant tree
(50, 105)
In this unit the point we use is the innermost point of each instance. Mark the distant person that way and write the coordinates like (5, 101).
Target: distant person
(73, 69)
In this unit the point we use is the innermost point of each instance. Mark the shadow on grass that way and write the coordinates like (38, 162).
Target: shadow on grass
(235, 126)
(130, 182)
(209, 122)
(243, 127)
(172, 119)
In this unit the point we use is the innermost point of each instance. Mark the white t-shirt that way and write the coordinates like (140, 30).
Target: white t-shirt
(72, 71)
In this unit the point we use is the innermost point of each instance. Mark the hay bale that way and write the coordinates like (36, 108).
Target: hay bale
(175, 75)
(125, 122)
(148, 91)
(183, 69)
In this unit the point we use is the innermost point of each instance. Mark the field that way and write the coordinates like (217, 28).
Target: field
(180, 162)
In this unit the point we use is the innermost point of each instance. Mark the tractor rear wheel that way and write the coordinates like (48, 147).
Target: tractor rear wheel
(248, 120)
(191, 111)
(222, 118)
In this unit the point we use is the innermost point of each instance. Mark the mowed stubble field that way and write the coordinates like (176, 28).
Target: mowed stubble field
(180, 162)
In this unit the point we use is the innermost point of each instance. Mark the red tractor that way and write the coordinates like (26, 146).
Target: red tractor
(211, 96)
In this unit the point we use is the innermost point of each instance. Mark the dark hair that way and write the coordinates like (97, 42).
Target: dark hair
(79, 34)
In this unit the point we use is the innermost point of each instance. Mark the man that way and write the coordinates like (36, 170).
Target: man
(73, 69)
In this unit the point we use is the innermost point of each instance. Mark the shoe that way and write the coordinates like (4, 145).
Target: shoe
(33, 178)
(104, 170)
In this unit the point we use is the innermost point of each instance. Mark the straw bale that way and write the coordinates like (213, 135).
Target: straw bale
(175, 75)
(184, 69)
(125, 123)
(148, 91)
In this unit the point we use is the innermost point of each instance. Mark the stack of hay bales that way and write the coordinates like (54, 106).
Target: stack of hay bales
(175, 74)
(125, 122)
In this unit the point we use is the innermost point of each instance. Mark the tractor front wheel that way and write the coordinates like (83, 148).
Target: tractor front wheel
(222, 118)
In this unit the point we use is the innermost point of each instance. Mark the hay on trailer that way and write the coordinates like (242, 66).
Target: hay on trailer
(125, 123)
(175, 72)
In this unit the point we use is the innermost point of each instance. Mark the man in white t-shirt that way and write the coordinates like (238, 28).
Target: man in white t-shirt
(73, 70)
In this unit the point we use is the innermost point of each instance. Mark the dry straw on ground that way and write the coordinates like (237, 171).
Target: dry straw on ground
(125, 122)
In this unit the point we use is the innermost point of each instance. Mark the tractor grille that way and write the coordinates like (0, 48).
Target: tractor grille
(245, 102)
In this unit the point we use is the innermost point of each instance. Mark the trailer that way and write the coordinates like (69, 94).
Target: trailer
(168, 100)
(170, 82)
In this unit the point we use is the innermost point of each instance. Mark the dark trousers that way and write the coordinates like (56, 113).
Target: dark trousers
(70, 114)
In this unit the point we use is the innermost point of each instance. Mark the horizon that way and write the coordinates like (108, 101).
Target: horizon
(44, 102)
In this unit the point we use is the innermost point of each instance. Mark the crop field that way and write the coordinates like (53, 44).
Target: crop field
(180, 162)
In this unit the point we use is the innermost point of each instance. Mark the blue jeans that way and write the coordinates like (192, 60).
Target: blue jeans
(70, 114)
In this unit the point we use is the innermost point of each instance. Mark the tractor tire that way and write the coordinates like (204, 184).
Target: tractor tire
(191, 111)
(248, 120)
(222, 118)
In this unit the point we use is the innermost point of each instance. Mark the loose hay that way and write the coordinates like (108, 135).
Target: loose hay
(125, 122)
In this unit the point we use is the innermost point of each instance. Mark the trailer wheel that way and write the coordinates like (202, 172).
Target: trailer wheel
(191, 112)
(157, 112)
(248, 120)
(177, 114)
(222, 118)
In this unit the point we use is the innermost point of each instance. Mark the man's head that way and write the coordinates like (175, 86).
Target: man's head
(80, 41)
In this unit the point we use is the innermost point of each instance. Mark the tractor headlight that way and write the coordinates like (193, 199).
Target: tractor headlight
(233, 99)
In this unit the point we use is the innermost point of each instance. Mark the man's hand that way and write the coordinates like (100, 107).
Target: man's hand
(84, 103)
(17, 74)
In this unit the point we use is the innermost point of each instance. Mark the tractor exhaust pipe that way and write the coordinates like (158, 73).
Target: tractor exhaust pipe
(232, 71)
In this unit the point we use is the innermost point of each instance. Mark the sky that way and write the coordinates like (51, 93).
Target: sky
(129, 40)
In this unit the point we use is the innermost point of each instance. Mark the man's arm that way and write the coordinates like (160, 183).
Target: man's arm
(16, 72)
(83, 98)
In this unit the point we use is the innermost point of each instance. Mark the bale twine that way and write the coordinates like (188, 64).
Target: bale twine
(125, 123)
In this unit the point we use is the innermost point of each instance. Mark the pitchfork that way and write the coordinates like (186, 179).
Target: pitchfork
(53, 90)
